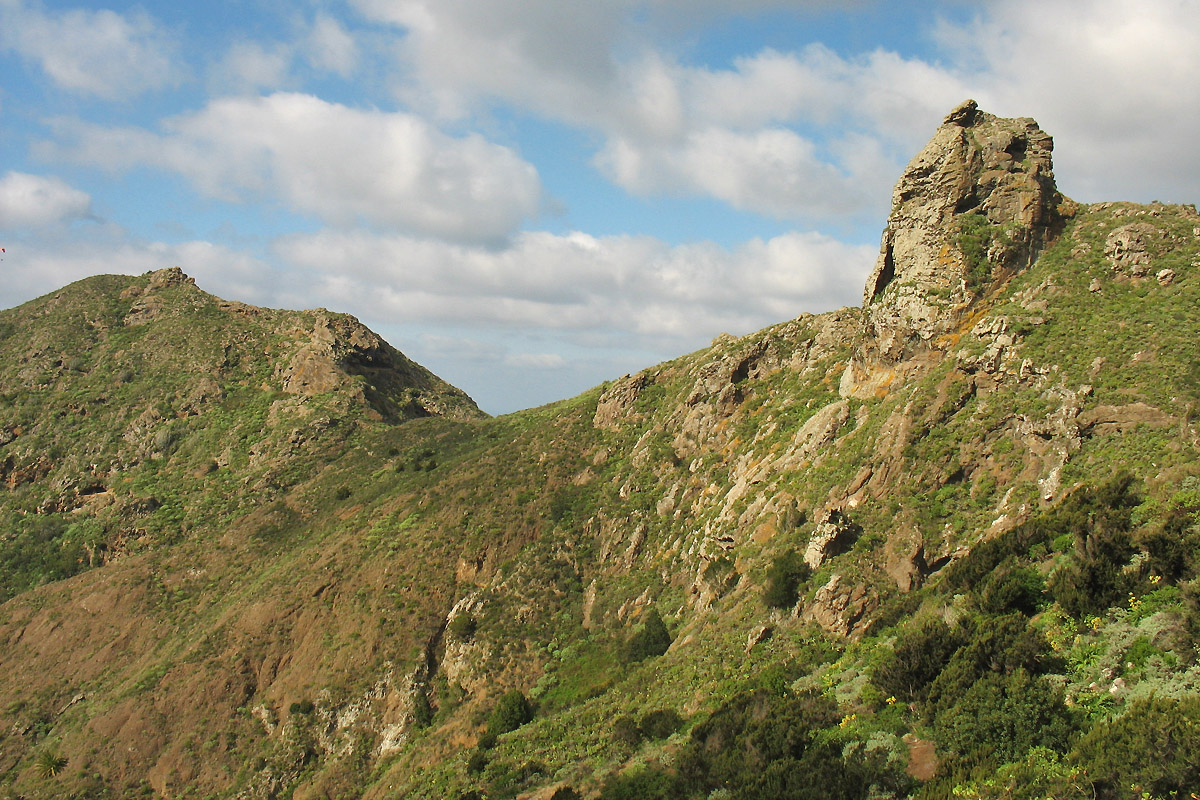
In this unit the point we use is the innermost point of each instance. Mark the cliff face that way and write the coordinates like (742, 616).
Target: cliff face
(977, 204)
(290, 580)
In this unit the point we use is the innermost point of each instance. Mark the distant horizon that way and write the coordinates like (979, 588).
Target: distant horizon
(532, 198)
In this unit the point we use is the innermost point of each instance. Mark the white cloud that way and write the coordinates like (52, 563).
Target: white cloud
(602, 288)
(342, 164)
(101, 52)
(33, 201)
(330, 47)
(772, 171)
(766, 135)
(1114, 85)
(251, 66)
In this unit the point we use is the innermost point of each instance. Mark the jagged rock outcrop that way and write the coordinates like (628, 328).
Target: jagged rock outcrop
(976, 205)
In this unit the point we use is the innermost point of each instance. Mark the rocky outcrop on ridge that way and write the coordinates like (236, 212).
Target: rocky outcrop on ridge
(973, 207)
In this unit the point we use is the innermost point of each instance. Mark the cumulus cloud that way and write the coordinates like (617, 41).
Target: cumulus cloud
(100, 52)
(581, 285)
(330, 47)
(255, 65)
(342, 164)
(762, 133)
(1113, 87)
(766, 135)
(34, 201)
(250, 66)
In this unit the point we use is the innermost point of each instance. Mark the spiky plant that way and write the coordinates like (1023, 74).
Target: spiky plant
(50, 763)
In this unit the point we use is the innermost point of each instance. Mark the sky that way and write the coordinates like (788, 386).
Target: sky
(530, 197)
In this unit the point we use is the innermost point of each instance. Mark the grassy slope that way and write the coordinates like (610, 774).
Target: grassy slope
(338, 571)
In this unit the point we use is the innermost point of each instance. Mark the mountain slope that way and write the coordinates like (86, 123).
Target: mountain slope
(891, 533)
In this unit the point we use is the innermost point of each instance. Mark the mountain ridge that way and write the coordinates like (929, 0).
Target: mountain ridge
(349, 619)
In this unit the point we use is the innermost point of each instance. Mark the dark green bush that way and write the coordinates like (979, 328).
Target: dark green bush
(1151, 750)
(477, 762)
(773, 747)
(1012, 588)
(302, 707)
(918, 657)
(996, 645)
(660, 724)
(651, 638)
(462, 626)
(626, 731)
(648, 783)
(1000, 717)
(511, 712)
(784, 577)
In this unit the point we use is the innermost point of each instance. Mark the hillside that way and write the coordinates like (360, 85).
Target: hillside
(945, 544)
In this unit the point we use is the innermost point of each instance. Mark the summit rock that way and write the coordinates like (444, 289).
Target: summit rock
(974, 207)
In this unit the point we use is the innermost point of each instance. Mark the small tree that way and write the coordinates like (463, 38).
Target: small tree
(510, 713)
(651, 639)
(788, 570)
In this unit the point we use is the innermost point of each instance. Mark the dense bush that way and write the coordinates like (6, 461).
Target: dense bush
(659, 724)
(1151, 750)
(511, 712)
(648, 783)
(918, 657)
(626, 731)
(1001, 717)
(462, 626)
(1011, 588)
(997, 645)
(651, 638)
(762, 746)
(784, 577)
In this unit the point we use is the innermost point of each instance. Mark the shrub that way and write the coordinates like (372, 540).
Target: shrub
(302, 707)
(648, 783)
(478, 762)
(510, 713)
(49, 764)
(660, 724)
(787, 571)
(918, 657)
(1011, 588)
(1000, 645)
(626, 731)
(1000, 717)
(463, 626)
(1150, 750)
(650, 639)
(565, 793)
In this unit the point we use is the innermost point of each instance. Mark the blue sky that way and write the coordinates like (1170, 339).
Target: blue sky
(533, 196)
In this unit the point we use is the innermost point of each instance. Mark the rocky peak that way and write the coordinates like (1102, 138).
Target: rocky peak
(975, 206)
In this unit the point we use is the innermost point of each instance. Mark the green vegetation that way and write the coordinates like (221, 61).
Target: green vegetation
(650, 638)
(1022, 567)
(788, 570)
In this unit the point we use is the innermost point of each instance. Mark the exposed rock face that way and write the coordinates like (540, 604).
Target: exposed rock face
(975, 206)
(841, 609)
(834, 535)
(1128, 248)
